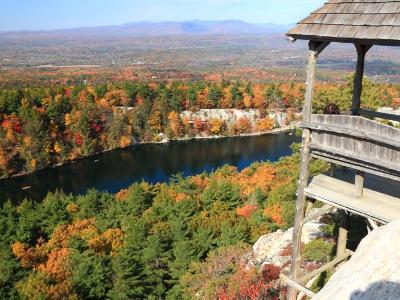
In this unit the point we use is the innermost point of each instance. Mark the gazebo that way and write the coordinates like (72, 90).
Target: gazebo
(355, 140)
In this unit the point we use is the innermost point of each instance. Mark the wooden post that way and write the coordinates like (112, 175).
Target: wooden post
(359, 184)
(332, 170)
(358, 77)
(342, 237)
(315, 49)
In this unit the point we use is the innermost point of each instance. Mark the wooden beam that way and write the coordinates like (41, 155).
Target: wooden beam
(373, 224)
(293, 285)
(372, 163)
(353, 164)
(327, 266)
(321, 211)
(315, 49)
(358, 76)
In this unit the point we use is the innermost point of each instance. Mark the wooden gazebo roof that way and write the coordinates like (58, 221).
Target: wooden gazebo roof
(374, 22)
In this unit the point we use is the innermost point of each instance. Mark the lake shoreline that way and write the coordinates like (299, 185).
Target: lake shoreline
(275, 131)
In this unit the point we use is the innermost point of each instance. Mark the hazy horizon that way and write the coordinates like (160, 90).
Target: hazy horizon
(21, 15)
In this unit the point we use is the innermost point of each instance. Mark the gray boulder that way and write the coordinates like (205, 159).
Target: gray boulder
(373, 273)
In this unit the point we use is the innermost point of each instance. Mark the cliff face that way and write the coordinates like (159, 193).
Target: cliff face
(373, 272)
(232, 115)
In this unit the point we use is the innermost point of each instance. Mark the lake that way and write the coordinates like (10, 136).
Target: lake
(117, 169)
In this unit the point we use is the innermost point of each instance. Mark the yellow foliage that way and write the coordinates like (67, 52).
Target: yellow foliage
(216, 126)
(72, 208)
(33, 164)
(125, 141)
(67, 119)
(265, 124)
(155, 122)
(27, 140)
(248, 101)
(57, 148)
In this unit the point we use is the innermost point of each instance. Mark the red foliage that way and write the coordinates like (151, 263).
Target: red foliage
(97, 127)
(5, 124)
(78, 139)
(68, 93)
(247, 284)
(271, 272)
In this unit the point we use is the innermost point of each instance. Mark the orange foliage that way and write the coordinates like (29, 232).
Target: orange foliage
(108, 242)
(29, 257)
(259, 101)
(180, 197)
(174, 123)
(243, 125)
(200, 181)
(246, 211)
(250, 180)
(85, 229)
(274, 212)
(198, 125)
(122, 194)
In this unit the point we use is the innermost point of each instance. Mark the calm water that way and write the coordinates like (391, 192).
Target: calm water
(154, 163)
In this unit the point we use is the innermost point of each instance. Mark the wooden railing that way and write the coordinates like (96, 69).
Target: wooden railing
(356, 141)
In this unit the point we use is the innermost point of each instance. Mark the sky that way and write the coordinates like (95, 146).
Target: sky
(58, 14)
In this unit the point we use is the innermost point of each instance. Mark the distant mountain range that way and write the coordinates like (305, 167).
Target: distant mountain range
(228, 27)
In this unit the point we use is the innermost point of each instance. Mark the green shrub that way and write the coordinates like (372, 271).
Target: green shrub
(318, 250)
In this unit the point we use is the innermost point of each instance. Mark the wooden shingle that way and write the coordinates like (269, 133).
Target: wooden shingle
(353, 21)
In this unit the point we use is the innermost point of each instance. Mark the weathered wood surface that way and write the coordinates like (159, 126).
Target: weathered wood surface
(376, 206)
(357, 138)
(293, 284)
(315, 49)
(325, 267)
(358, 77)
(375, 21)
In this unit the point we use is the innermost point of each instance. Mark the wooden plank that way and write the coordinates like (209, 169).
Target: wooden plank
(343, 161)
(294, 285)
(344, 129)
(327, 266)
(321, 211)
(377, 206)
(365, 160)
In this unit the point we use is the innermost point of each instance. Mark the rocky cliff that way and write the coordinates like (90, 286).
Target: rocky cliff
(373, 272)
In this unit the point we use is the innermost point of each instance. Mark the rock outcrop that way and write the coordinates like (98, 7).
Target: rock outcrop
(274, 248)
(232, 115)
(373, 273)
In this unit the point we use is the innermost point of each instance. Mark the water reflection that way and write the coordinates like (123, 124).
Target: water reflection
(154, 163)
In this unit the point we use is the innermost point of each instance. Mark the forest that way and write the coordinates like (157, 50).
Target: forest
(174, 240)
(45, 126)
